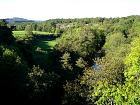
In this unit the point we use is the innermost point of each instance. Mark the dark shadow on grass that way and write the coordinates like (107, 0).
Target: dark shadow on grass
(45, 37)
(45, 46)
(40, 38)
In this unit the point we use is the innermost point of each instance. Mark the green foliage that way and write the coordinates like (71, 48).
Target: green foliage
(5, 33)
(41, 83)
(131, 88)
(94, 62)
(36, 76)
(13, 70)
(28, 32)
(114, 40)
(81, 40)
(3, 22)
(81, 63)
(73, 94)
(66, 59)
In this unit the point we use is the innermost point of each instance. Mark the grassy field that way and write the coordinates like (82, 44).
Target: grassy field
(19, 34)
(43, 44)
(22, 33)
(41, 33)
(47, 44)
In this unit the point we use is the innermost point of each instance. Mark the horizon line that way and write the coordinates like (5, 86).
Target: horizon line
(67, 18)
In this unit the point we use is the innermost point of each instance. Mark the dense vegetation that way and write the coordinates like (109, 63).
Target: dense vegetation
(90, 61)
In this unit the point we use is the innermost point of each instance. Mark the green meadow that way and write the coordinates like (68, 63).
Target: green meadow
(22, 33)
(43, 44)
(47, 44)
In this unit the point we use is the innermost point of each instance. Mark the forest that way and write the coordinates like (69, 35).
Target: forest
(85, 61)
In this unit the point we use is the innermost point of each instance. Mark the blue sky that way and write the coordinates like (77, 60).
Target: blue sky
(47, 9)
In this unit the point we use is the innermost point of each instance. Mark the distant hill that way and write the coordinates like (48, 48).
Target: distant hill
(17, 19)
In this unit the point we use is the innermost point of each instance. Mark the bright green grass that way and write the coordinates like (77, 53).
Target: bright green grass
(22, 33)
(45, 45)
(18, 33)
(41, 33)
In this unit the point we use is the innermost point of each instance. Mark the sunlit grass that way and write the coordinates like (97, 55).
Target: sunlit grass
(47, 44)
(41, 33)
(18, 33)
(22, 33)
(43, 44)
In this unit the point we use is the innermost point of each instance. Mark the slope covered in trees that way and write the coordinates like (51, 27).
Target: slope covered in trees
(95, 61)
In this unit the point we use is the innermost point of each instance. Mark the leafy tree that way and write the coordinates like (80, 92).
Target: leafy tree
(28, 32)
(41, 84)
(5, 33)
(130, 91)
(12, 74)
(66, 61)
(81, 63)
(114, 40)
(73, 94)
(81, 40)
(3, 22)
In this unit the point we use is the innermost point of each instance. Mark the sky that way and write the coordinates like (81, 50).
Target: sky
(51, 9)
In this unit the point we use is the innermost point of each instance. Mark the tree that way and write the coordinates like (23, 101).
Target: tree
(3, 22)
(114, 40)
(41, 85)
(82, 40)
(66, 61)
(130, 91)
(5, 33)
(12, 74)
(28, 32)
(81, 63)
